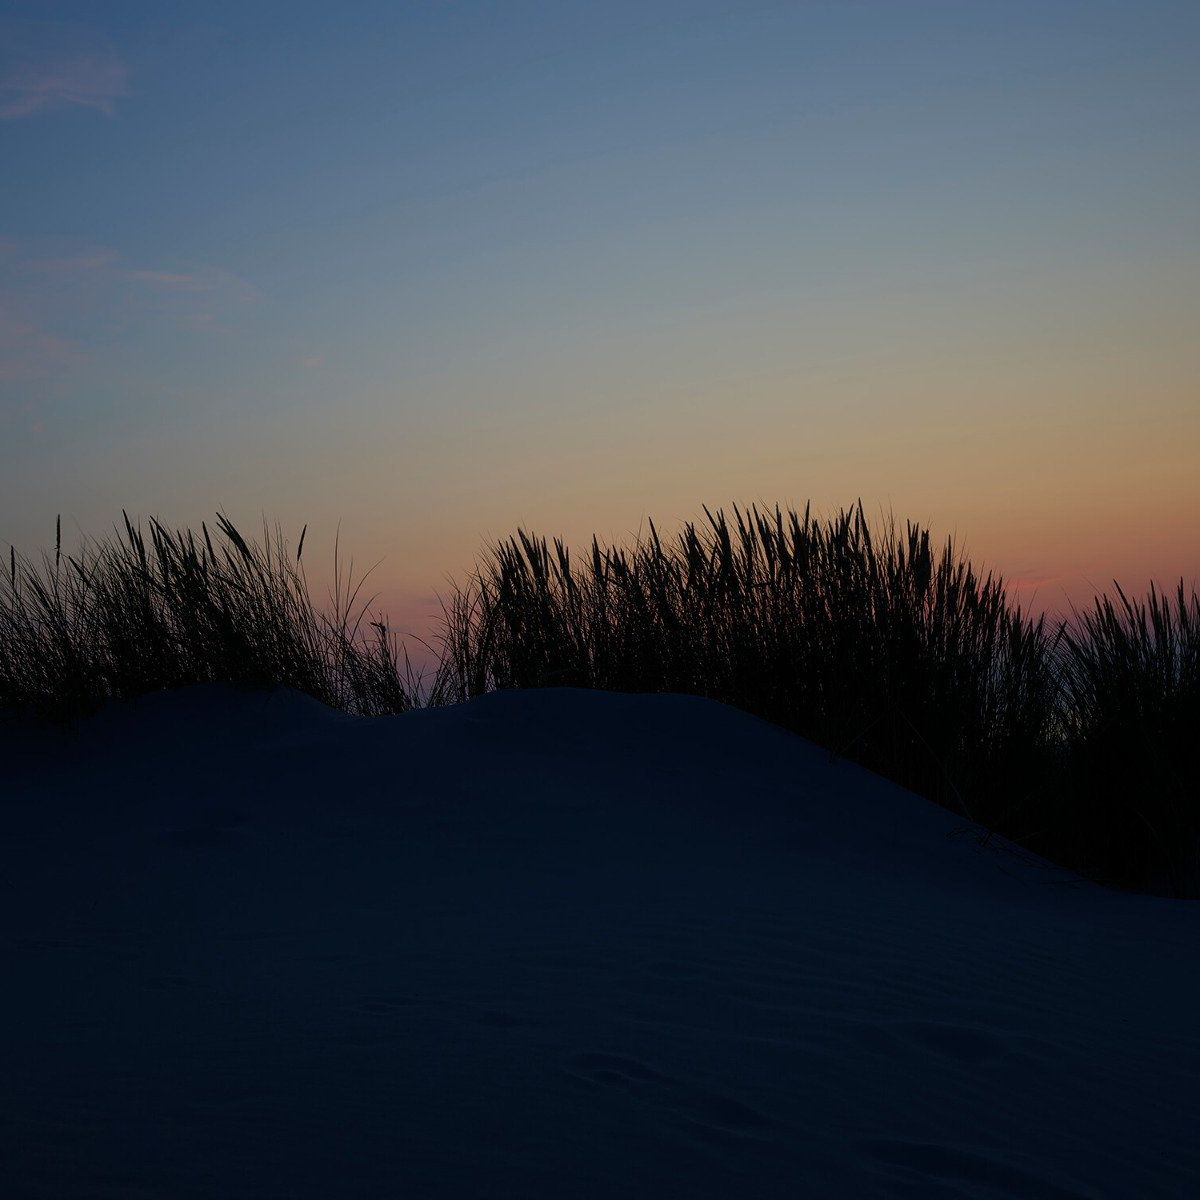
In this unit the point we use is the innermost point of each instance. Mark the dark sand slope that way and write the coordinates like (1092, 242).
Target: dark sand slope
(557, 943)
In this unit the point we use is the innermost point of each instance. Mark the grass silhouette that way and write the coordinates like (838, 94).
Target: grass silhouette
(1130, 705)
(1074, 739)
(143, 611)
(875, 644)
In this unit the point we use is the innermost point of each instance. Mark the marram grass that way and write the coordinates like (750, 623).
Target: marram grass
(161, 608)
(1075, 739)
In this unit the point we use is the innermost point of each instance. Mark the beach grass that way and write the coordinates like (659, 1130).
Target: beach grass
(1074, 738)
(152, 608)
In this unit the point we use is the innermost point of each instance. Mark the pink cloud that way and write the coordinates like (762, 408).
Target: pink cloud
(1022, 582)
(169, 279)
(58, 300)
(72, 264)
(313, 361)
(28, 351)
(96, 81)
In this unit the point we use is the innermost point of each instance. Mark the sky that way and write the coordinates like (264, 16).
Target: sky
(429, 271)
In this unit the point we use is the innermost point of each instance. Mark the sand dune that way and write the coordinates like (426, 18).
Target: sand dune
(557, 943)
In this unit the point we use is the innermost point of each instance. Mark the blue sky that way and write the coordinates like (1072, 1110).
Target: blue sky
(433, 269)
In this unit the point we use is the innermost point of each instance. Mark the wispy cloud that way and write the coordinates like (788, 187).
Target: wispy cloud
(89, 81)
(102, 266)
(27, 351)
(227, 289)
(46, 66)
(171, 279)
(1027, 586)
(73, 264)
(62, 302)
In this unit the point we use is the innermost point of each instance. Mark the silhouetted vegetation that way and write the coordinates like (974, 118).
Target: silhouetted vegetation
(879, 646)
(137, 612)
(1074, 739)
(1130, 707)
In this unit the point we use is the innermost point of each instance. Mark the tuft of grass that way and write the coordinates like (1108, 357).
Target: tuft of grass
(878, 644)
(1130, 708)
(886, 647)
(159, 608)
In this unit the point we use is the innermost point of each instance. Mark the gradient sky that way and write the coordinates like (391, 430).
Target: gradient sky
(436, 269)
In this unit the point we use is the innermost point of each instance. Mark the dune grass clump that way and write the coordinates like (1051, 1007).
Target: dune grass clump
(164, 608)
(1130, 709)
(877, 644)
(1074, 739)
